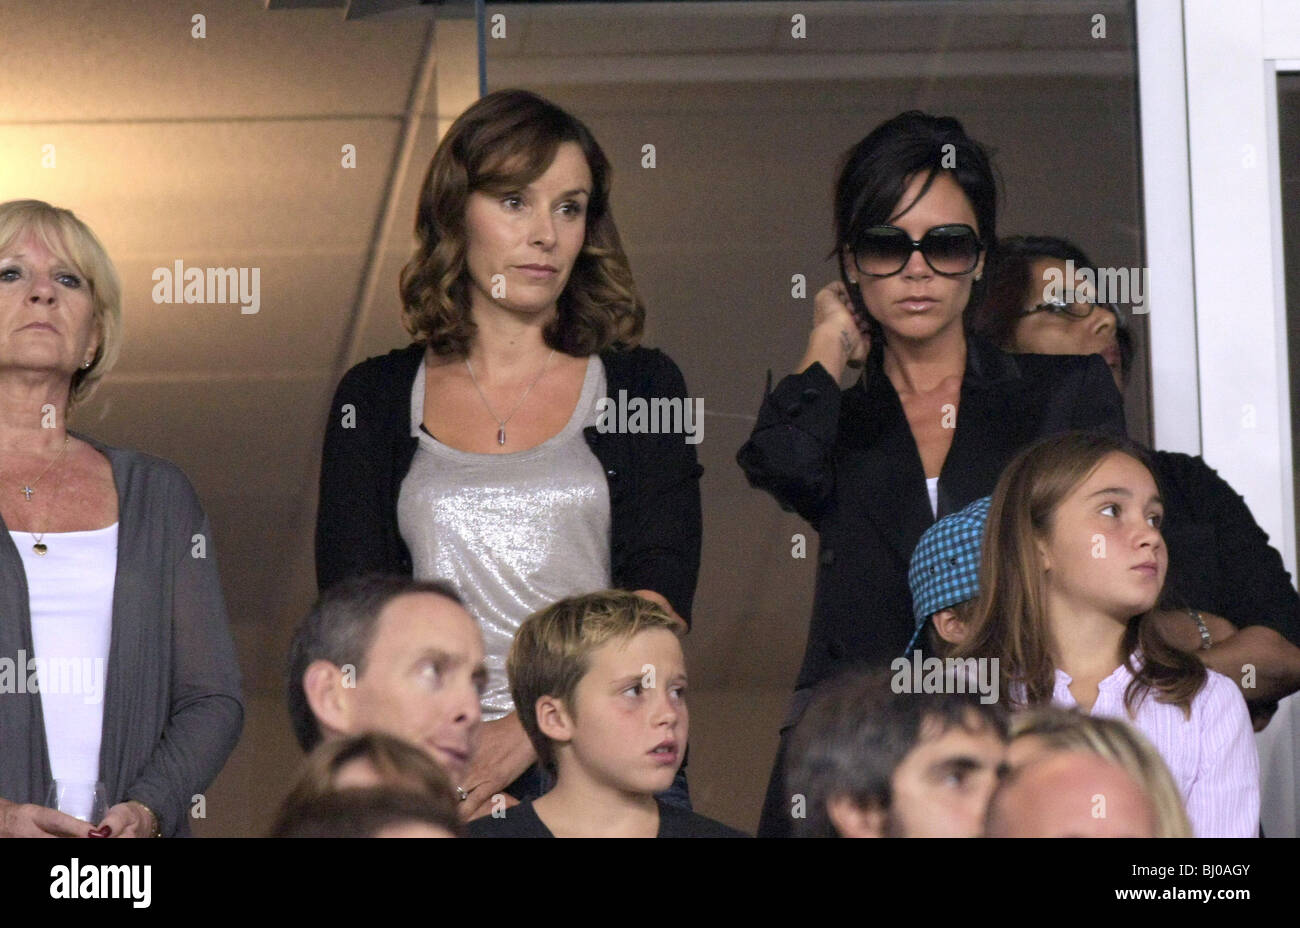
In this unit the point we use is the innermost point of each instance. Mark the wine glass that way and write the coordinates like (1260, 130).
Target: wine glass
(81, 799)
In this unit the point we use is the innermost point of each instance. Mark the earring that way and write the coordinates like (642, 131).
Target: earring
(85, 365)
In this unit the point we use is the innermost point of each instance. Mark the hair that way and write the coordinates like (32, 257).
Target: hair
(73, 243)
(1008, 278)
(1011, 619)
(398, 763)
(502, 143)
(873, 177)
(552, 650)
(364, 813)
(340, 629)
(1119, 743)
(857, 731)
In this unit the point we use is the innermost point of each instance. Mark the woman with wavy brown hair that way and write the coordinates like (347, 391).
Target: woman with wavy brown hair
(484, 453)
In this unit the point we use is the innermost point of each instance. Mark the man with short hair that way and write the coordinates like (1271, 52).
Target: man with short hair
(394, 655)
(866, 762)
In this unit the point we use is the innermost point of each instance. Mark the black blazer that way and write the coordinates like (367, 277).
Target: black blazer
(846, 461)
(654, 479)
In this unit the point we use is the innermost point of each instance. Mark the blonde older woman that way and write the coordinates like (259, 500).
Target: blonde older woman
(116, 662)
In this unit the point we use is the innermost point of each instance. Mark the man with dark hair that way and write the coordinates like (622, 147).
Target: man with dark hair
(374, 812)
(390, 654)
(867, 762)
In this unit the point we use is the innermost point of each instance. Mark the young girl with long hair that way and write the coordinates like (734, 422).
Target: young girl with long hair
(1072, 569)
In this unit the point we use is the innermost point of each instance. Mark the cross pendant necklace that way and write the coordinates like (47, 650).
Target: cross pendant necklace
(28, 490)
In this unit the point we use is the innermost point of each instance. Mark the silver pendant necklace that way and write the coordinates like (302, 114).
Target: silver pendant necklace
(501, 423)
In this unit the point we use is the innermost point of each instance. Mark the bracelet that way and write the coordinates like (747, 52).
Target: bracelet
(157, 831)
(1205, 632)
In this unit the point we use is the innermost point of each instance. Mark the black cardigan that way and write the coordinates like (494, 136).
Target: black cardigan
(847, 462)
(654, 480)
(1220, 560)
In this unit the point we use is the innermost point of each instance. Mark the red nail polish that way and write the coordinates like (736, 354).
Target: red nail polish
(101, 832)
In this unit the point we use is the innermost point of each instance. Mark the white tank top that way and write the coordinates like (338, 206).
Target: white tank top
(70, 595)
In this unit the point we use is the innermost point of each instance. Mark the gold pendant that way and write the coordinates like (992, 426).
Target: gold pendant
(40, 548)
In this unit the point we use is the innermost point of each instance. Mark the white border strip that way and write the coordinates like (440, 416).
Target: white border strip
(1245, 413)
(1287, 543)
(1166, 193)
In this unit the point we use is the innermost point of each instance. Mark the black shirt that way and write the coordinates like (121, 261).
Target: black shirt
(521, 821)
(847, 462)
(1220, 560)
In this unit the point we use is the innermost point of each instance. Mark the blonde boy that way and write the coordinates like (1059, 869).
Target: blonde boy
(600, 686)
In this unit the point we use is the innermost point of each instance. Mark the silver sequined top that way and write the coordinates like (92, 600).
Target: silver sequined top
(512, 532)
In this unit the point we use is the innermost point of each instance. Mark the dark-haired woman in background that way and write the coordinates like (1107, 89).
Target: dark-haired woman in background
(1220, 560)
(935, 415)
(473, 455)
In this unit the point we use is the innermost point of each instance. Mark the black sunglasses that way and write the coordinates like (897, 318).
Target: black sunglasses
(950, 250)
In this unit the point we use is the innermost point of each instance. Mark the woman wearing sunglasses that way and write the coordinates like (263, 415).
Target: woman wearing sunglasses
(1023, 313)
(935, 414)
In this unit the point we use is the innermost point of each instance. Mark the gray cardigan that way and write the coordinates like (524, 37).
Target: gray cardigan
(172, 706)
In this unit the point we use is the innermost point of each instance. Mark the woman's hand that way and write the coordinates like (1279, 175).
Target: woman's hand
(660, 600)
(504, 752)
(126, 820)
(839, 338)
(22, 820)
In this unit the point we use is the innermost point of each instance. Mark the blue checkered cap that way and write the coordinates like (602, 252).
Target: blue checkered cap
(946, 563)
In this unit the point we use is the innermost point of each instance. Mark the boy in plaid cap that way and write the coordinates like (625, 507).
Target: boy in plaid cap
(944, 577)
